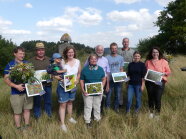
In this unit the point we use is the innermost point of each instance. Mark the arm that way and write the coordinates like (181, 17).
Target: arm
(82, 87)
(108, 81)
(103, 81)
(19, 87)
(61, 71)
(143, 85)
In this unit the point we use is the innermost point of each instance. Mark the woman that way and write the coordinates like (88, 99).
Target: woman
(156, 62)
(136, 73)
(72, 65)
(90, 74)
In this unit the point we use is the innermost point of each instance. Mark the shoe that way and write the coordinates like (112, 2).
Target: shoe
(72, 120)
(151, 115)
(64, 128)
(89, 125)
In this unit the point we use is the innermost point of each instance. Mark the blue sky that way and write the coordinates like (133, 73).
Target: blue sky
(90, 22)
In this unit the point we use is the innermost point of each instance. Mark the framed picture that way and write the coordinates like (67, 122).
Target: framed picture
(94, 88)
(42, 75)
(119, 76)
(69, 82)
(34, 89)
(153, 76)
(125, 67)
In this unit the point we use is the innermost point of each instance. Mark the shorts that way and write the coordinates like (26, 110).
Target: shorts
(20, 102)
(63, 96)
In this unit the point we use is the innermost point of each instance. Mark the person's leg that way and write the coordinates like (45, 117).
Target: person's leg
(150, 92)
(88, 102)
(158, 95)
(117, 91)
(26, 115)
(69, 108)
(130, 93)
(62, 110)
(37, 106)
(121, 98)
(138, 97)
(96, 107)
(108, 95)
(48, 100)
(17, 119)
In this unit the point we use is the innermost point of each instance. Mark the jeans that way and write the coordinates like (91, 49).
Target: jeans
(154, 95)
(133, 89)
(117, 91)
(47, 102)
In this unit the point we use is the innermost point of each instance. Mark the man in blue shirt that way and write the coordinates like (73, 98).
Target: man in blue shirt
(18, 99)
(116, 63)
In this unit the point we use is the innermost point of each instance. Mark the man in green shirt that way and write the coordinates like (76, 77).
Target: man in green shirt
(41, 62)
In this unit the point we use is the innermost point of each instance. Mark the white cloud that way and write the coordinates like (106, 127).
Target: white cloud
(4, 22)
(126, 1)
(28, 5)
(88, 16)
(137, 20)
(163, 2)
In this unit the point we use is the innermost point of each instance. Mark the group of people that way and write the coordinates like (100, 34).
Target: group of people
(97, 68)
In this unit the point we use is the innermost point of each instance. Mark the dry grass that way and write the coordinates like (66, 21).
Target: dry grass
(171, 125)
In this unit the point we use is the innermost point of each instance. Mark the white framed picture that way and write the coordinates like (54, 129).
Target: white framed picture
(42, 75)
(69, 82)
(119, 76)
(34, 89)
(153, 76)
(94, 88)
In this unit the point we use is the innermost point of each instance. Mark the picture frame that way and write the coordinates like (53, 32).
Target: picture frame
(94, 88)
(125, 66)
(42, 75)
(69, 82)
(34, 89)
(153, 76)
(119, 76)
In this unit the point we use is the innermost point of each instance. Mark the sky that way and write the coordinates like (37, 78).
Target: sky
(90, 22)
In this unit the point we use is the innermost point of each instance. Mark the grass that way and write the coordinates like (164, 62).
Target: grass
(171, 125)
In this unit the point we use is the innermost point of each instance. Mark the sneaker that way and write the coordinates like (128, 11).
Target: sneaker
(72, 120)
(89, 125)
(151, 115)
(64, 128)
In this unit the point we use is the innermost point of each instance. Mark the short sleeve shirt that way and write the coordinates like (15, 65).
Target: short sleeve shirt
(7, 71)
(115, 63)
(127, 55)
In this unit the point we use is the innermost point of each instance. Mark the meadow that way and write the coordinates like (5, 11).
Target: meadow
(170, 125)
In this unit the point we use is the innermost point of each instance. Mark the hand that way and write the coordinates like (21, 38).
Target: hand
(85, 93)
(107, 89)
(65, 70)
(20, 87)
(58, 77)
(142, 88)
(76, 82)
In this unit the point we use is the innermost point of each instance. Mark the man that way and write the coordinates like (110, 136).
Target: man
(127, 54)
(41, 62)
(18, 99)
(116, 65)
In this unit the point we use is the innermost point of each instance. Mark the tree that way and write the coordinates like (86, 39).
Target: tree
(6, 53)
(172, 24)
(172, 29)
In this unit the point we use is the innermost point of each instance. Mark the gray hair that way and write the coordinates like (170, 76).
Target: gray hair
(99, 46)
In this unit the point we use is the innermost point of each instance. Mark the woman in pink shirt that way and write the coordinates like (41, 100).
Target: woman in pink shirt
(156, 62)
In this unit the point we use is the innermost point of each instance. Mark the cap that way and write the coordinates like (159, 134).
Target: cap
(40, 45)
(56, 55)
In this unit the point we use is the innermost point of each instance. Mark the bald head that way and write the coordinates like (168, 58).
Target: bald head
(99, 49)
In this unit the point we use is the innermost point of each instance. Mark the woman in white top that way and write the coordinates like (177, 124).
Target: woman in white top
(66, 98)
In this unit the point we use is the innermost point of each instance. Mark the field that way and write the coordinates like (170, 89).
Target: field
(171, 125)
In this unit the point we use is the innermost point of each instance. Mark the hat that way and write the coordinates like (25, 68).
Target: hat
(40, 45)
(56, 55)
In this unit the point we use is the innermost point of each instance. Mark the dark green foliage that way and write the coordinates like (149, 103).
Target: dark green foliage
(6, 53)
(172, 30)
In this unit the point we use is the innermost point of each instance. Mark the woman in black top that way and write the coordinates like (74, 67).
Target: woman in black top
(136, 73)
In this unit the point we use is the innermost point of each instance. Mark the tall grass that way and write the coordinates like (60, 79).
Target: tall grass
(172, 122)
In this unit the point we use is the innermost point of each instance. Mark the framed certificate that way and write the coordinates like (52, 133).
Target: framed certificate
(69, 82)
(34, 89)
(42, 75)
(94, 88)
(153, 76)
(119, 76)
